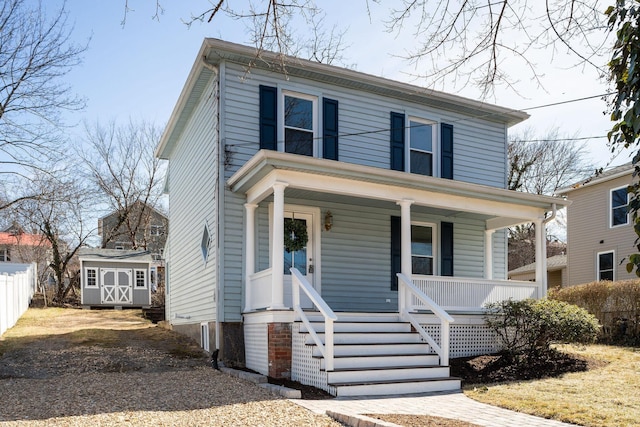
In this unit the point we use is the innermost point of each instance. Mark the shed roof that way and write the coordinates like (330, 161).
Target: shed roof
(111, 255)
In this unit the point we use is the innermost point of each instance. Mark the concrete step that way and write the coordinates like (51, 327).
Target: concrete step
(391, 373)
(379, 388)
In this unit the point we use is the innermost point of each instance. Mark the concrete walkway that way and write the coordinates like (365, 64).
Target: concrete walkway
(447, 405)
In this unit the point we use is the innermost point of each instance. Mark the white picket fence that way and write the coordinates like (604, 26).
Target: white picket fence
(17, 286)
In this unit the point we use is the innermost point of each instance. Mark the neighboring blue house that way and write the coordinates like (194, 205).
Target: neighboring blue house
(298, 195)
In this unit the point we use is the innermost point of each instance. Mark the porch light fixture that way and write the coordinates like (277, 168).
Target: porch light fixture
(328, 220)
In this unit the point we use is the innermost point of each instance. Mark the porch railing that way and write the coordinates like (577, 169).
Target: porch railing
(298, 281)
(407, 293)
(469, 294)
(261, 289)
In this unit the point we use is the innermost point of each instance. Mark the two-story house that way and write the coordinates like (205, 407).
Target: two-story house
(141, 228)
(600, 234)
(337, 228)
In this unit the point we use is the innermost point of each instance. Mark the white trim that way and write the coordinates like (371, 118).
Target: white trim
(205, 256)
(204, 336)
(611, 207)
(379, 191)
(314, 117)
(435, 243)
(86, 278)
(613, 263)
(435, 144)
(145, 278)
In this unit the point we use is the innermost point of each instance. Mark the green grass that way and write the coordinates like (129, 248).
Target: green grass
(607, 396)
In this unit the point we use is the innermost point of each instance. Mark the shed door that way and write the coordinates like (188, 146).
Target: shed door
(117, 285)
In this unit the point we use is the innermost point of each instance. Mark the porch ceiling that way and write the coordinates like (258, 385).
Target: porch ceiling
(499, 207)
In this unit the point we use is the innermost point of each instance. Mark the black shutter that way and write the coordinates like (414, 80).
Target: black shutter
(268, 117)
(330, 129)
(446, 248)
(396, 256)
(397, 141)
(446, 138)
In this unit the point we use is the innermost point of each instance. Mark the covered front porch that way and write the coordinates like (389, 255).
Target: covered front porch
(378, 243)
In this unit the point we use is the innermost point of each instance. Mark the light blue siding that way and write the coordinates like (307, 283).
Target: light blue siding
(192, 204)
(356, 252)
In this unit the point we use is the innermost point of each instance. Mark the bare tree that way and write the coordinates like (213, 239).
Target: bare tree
(36, 52)
(120, 162)
(62, 216)
(541, 165)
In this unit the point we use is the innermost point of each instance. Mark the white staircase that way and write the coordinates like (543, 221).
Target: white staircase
(378, 354)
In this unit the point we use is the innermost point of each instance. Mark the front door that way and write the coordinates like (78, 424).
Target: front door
(303, 259)
(116, 286)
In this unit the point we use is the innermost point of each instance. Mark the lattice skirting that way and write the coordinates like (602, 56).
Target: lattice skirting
(467, 337)
(256, 340)
(304, 368)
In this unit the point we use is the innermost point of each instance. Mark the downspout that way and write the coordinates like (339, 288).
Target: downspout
(217, 72)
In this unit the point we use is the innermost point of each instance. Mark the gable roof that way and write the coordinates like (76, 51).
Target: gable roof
(137, 202)
(213, 52)
(22, 239)
(554, 263)
(606, 175)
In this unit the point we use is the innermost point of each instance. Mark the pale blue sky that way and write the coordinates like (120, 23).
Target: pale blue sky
(138, 70)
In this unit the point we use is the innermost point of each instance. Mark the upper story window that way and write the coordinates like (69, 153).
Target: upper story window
(422, 144)
(300, 123)
(619, 207)
(416, 146)
(605, 266)
(156, 230)
(5, 255)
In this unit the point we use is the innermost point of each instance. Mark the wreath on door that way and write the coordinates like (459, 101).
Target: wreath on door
(295, 234)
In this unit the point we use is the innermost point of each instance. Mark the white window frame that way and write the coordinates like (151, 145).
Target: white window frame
(86, 278)
(5, 254)
(435, 148)
(205, 250)
(613, 264)
(434, 242)
(204, 336)
(144, 277)
(611, 216)
(315, 118)
(156, 230)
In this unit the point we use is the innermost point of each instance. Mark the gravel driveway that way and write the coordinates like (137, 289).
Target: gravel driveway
(102, 368)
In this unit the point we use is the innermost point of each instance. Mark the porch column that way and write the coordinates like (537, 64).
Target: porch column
(541, 260)
(250, 252)
(405, 247)
(488, 254)
(277, 248)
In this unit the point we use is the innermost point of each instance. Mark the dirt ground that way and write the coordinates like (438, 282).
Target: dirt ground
(61, 348)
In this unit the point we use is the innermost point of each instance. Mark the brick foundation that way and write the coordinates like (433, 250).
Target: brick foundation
(279, 350)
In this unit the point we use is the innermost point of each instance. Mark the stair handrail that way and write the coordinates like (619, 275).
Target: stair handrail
(326, 349)
(407, 289)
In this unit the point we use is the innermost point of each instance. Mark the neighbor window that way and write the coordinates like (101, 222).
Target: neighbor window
(619, 207)
(156, 230)
(421, 147)
(91, 278)
(299, 123)
(4, 255)
(605, 266)
(422, 250)
(141, 281)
